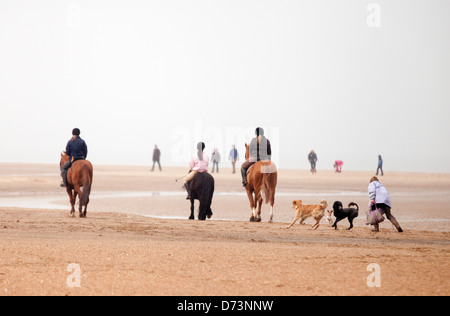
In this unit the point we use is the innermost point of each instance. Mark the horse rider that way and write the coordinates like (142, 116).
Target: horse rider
(76, 149)
(199, 163)
(259, 149)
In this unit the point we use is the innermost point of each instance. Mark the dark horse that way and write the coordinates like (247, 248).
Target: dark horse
(79, 176)
(261, 178)
(202, 189)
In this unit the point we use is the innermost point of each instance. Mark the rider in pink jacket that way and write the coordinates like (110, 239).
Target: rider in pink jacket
(199, 163)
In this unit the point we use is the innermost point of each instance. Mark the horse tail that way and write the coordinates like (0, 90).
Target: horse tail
(268, 184)
(269, 181)
(208, 193)
(206, 196)
(265, 189)
(84, 199)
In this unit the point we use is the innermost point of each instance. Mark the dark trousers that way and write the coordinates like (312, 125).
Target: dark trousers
(247, 164)
(154, 162)
(64, 170)
(380, 168)
(387, 211)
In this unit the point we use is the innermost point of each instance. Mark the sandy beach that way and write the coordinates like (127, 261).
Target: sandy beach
(137, 240)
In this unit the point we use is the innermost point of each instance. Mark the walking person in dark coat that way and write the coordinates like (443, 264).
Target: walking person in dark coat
(380, 165)
(312, 157)
(76, 149)
(156, 157)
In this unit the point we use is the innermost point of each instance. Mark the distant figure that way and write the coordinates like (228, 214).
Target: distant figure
(380, 165)
(312, 157)
(379, 198)
(156, 157)
(215, 157)
(234, 156)
(338, 165)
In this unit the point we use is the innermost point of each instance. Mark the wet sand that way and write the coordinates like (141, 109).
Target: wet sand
(137, 240)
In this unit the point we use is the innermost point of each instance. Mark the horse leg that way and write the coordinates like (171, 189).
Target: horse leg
(202, 211)
(252, 205)
(254, 214)
(205, 209)
(192, 209)
(85, 211)
(72, 198)
(260, 202)
(272, 202)
(209, 213)
(80, 207)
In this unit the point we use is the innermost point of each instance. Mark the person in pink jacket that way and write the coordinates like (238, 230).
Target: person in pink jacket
(199, 163)
(338, 165)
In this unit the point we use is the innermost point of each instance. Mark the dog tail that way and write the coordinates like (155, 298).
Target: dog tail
(354, 204)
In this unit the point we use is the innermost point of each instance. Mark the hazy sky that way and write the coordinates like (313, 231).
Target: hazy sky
(350, 79)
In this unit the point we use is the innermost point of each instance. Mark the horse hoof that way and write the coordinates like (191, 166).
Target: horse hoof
(252, 219)
(258, 220)
(191, 217)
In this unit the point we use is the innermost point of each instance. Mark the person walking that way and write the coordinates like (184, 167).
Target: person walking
(234, 156)
(215, 157)
(76, 149)
(156, 158)
(380, 165)
(312, 157)
(379, 198)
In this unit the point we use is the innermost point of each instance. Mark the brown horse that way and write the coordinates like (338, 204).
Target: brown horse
(261, 178)
(78, 176)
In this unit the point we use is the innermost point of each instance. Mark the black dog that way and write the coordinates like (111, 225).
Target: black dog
(340, 213)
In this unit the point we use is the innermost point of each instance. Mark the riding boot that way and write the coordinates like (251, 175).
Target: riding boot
(244, 176)
(187, 186)
(64, 179)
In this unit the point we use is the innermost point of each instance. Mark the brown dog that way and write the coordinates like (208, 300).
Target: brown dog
(317, 211)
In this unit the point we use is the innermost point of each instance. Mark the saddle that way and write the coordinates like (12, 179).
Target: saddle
(267, 166)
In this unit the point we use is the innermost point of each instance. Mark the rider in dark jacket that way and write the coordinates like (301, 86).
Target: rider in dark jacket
(76, 149)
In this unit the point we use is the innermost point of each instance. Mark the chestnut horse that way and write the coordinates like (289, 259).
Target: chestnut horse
(78, 176)
(261, 178)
